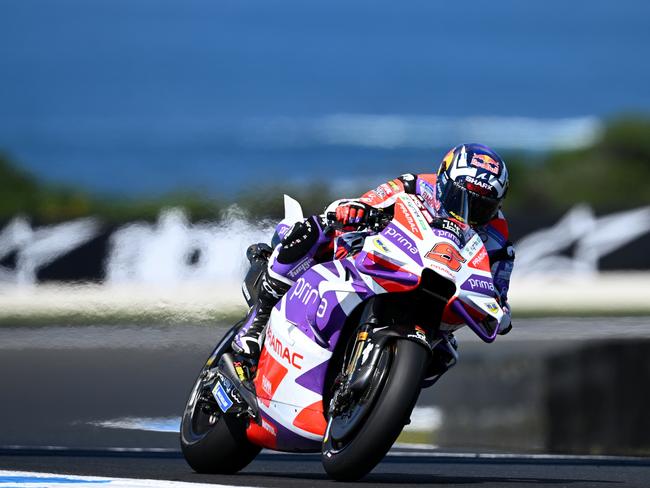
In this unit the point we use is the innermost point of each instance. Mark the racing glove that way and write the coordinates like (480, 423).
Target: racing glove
(352, 213)
(505, 325)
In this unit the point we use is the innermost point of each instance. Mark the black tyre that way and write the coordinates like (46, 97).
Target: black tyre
(355, 457)
(212, 442)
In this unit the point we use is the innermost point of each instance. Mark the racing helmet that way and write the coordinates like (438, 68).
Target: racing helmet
(471, 184)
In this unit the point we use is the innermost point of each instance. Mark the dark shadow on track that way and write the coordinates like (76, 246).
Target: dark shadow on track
(305, 470)
(296, 457)
(429, 479)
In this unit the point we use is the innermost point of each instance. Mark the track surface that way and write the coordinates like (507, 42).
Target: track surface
(289, 470)
(57, 380)
(67, 378)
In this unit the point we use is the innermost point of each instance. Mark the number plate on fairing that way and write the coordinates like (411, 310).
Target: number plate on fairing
(221, 396)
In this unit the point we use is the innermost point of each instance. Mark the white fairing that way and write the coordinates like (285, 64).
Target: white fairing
(408, 245)
(402, 255)
(292, 211)
(290, 397)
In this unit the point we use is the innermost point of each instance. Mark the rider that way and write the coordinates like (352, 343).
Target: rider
(470, 186)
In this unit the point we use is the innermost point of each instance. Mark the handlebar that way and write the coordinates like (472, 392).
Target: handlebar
(375, 220)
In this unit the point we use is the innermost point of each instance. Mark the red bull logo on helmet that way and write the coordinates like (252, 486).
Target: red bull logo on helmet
(485, 162)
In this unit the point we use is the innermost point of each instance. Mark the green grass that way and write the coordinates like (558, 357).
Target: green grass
(219, 319)
(417, 437)
(148, 317)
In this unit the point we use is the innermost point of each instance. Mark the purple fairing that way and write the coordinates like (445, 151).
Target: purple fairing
(479, 284)
(314, 379)
(282, 229)
(471, 323)
(321, 318)
(289, 441)
(402, 240)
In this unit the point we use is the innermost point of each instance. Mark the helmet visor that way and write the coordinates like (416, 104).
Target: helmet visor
(482, 209)
(465, 205)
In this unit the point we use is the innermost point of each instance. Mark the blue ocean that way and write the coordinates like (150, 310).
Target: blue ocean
(147, 96)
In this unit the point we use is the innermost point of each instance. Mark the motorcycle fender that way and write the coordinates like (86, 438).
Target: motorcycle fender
(375, 343)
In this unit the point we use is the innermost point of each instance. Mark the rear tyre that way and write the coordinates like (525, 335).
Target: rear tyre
(353, 458)
(211, 441)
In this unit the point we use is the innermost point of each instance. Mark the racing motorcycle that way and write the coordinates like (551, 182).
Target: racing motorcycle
(348, 348)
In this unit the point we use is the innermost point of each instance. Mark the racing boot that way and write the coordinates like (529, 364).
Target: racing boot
(248, 341)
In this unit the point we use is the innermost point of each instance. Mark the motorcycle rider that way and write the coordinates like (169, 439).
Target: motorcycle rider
(470, 186)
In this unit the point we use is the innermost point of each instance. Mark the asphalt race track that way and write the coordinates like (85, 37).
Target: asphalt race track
(398, 469)
(60, 384)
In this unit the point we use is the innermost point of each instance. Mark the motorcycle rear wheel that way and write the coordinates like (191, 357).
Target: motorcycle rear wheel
(355, 457)
(214, 443)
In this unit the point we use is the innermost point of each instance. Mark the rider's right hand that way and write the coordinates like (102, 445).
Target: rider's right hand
(352, 213)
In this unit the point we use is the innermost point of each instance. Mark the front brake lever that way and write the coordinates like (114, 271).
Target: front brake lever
(375, 221)
(332, 223)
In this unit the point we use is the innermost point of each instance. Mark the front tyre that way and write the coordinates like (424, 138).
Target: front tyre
(357, 456)
(211, 441)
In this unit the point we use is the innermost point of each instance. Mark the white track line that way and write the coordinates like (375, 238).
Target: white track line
(423, 419)
(26, 479)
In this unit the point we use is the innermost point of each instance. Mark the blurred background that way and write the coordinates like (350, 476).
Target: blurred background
(144, 144)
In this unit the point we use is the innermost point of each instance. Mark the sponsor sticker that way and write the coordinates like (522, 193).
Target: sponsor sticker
(419, 334)
(479, 183)
(394, 235)
(269, 428)
(301, 267)
(485, 162)
(445, 234)
(267, 386)
(452, 227)
(479, 284)
(283, 230)
(381, 246)
(221, 397)
(283, 351)
(423, 209)
(413, 207)
(404, 217)
(473, 245)
(481, 260)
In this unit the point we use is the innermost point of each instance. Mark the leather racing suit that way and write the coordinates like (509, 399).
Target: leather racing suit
(307, 243)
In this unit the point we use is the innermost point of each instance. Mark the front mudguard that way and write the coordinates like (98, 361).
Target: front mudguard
(376, 341)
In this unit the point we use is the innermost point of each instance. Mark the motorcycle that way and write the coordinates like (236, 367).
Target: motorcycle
(348, 348)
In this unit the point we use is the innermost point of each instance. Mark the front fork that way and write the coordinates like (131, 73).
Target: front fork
(371, 339)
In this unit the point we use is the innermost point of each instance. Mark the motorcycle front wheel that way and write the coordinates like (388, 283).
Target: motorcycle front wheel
(211, 441)
(352, 457)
